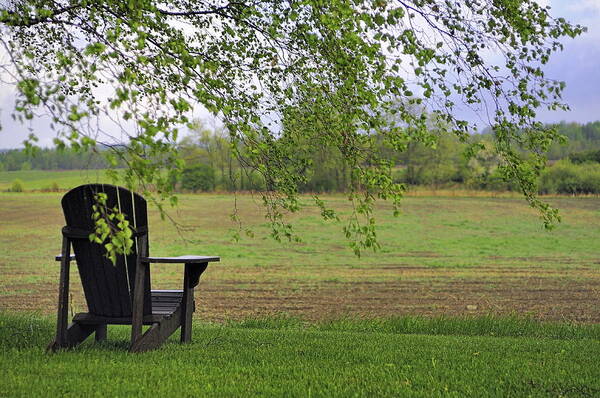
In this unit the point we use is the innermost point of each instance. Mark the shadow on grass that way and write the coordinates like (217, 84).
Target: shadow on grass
(29, 330)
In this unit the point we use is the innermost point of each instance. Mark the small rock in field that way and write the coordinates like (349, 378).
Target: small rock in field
(471, 307)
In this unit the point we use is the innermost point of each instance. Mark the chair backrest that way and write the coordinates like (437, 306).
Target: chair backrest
(108, 287)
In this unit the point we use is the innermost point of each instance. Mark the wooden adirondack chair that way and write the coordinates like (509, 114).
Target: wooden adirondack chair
(120, 294)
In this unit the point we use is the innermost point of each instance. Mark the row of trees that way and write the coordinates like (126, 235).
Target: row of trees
(210, 163)
(51, 159)
(570, 178)
(580, 138)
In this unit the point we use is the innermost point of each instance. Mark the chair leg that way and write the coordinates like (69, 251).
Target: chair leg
(137, 306)
(148, 341)
(187, 308)
(158, 333)
(187, 304)
(191, 277)
(61, 339)
(75, 334)
(101, 332)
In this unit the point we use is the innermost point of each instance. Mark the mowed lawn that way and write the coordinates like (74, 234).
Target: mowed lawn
(283, 357)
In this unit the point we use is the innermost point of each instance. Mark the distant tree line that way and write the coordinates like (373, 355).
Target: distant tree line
(210, 163)
(581, 138)
(574, 164)
(51, 159)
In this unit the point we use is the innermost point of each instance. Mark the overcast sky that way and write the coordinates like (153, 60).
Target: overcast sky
(578, 65)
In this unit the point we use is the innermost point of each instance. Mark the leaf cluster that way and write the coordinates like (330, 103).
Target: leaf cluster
(111, 229)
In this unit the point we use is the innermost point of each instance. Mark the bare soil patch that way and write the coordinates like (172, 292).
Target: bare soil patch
(557, 295)
(541, 298)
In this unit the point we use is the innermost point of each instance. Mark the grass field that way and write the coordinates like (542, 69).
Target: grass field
(36, 180)
(311, 319)
(442, 256)
(282, 357)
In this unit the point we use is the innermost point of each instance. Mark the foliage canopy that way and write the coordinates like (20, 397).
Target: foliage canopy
(285, 77)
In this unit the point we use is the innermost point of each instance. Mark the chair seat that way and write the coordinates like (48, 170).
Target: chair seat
(164, 305)
(165, 302)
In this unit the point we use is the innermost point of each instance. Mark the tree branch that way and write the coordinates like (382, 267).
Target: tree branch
(14, 19)
(192, 13)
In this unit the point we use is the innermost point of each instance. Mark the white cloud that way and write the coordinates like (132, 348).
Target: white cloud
(543, 3)
(584, 6)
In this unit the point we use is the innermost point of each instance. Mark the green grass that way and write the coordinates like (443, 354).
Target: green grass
(283, 357)
(35, 180)
(491, 326)
(435, 232)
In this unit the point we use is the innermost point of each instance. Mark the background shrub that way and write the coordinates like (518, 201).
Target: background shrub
(17, 186)
(200, 177)
(565, 177)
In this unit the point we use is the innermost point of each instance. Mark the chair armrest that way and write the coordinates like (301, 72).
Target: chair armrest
(181, 259)
(59, 257)
(194, 267)
(166, 260)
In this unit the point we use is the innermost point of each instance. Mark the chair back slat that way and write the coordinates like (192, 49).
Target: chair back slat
(108, 288)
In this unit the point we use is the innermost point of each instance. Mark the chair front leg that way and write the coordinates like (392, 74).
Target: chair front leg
(190, 280)
(137, 315)
(101, 332)
(137, 305)
(61, 340)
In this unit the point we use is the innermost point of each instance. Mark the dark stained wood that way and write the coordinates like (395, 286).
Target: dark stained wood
(75, 334)
(187, 304)
(59, 257)
(158, 333)
(195, 271)
(182, 259)
(170, 325)
(107, 287)
(148, 341)
(77, 210)
(120, 271)
(190, 280)
(159, 295)
(134, 207)
(164, 303)
(120, 293)
(138, 294)
(86, 318)
(101, 332)
(63, 296)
